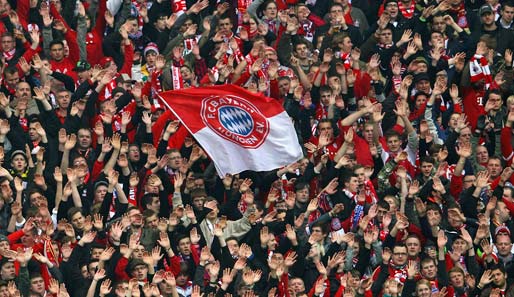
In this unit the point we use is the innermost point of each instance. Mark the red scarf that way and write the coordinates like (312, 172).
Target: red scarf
(179, 6)
(408, 13)
(460, 11)
(9, 55)
(348, 17)
(347, 61)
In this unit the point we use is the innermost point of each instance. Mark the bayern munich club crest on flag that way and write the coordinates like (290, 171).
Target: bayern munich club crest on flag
(239, 130)
(235, 119)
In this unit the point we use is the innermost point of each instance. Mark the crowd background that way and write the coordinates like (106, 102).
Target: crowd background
(404, 110)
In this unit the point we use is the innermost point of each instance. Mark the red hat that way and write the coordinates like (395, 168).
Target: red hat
(501, 229)
(104, 61)
(269, 48)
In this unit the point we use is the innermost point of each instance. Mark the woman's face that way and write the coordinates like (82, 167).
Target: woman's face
(270, 11)
(253, 25)
(423, 290)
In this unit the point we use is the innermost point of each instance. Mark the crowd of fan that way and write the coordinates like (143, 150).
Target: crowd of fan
(404, 110)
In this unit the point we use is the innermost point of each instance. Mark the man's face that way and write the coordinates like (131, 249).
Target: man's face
(4, 292)
(392, 9)
(84, 137)
(361, 176)
(465, 135)
(368, 133)
(494, 167)
(6, 191)
(297, 285)
(459, 245)
(23, 91)
(353, 184)
(134, 153)
(132, 26)
(400, 255)
(326, 127)
(233, 247)
(152, 221)
(393, 144)
(57, 52)
(63, 99)
(325, 98)
(423, 85)
(12, 79)
(225, 25)
(457, 279)
(182, 279)
(95, 253)
(175, 159)
(504, 245)
(386, 37)
(482, 154)
(84, 75)
(413, 247)
(18, 162)
(438, 24)
(283, 86)
(37, 286)
(184, 246)
(437, 40)
(198, 202)
(487, 18)
(507, 194)
(140, 272)
(507, 13)
(160, 24)
(8, 43)
(136, 218)
(150, 58)
(8, 272)
(302, 51)
(302, 196)
(496, 100)
(429, 270)
(77, 220)
(426, 168)
(499, 278)
(155, 204)
(91, 269)
(336, 12)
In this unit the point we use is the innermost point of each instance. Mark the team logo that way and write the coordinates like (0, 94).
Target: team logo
(235, 119)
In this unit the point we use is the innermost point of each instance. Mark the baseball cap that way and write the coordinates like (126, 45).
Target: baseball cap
(104, 61)
(421, 76)
(134, 263)
(82, 66)
(19, 152)
(485, 9)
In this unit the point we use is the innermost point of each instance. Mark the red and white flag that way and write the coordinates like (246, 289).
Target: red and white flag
(239, 130)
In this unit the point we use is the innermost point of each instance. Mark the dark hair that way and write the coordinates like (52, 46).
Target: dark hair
(10, 70)
(427, 159)
(391, 133)
(147, 199)
(56, 41)
(73, 211)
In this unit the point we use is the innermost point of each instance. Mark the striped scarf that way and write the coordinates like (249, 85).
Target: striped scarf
(407, 13)
(479, 69)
